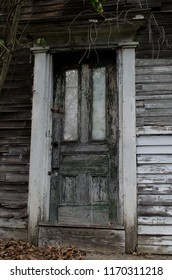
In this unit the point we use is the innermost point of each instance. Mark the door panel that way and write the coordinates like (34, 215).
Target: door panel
(84, 188)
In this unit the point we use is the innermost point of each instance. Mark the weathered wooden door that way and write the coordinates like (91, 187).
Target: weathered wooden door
(84, 188)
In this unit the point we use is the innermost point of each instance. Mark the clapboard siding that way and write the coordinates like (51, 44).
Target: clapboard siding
(63, 9)
(51, 18)
(154, 155)
(15, 127)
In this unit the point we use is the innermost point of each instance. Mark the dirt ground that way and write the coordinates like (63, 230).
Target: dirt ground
(19, 250)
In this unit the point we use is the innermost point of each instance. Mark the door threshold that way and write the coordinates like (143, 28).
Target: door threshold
(53, 224)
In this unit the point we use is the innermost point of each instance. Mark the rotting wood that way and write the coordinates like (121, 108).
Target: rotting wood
(161, 200)
(155, 220)
(155, 159)
(87, 239)
(13, 223)
(154, 169)
(154, 179)
(154, 189)
(155, 240)
(15, 233)
(163, 211)
(19, 214)
(154, 130)
(159, 249)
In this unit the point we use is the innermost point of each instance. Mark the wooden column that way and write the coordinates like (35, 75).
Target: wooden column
(127, 144)
(40, 155)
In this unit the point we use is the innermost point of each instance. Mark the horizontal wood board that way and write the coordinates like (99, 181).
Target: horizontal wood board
(90, 239)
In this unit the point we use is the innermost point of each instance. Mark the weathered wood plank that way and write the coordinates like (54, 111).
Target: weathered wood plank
(154, 240)
(153, 70)
(19, 116)
(147, 96)
(2, 177)
(148, 249)
(12, 223)
(158, 104)
(163, 211)
(155, 159)
(89, 239)
(15, 233)
(155, 229)
(161, 150)
(142, 112)
(4, 149)
(89, 148)
(164, 140)
(17, 188)
(153, 121)
(154, 130)
(154, 220)
(153, 78)
(16, 178)
(85, 159)
(154, 189)
(82, 191)
(154, 169)
(153, 62)
(15, 124)
(154, 87)
(14, 159)
(16, 149)
(101, 170)
(9, 213)
(84, 215)
(10, 133)
(161, 200)
(13, 200)
(14, 139)
(14, 168)
(154, 179)
(15, 107)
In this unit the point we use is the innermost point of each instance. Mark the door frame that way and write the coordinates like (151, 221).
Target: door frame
(41, 138)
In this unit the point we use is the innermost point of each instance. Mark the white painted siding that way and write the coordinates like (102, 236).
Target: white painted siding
(154, 155)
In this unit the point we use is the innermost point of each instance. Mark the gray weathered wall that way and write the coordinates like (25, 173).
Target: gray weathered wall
(154, 154)
(15, 124)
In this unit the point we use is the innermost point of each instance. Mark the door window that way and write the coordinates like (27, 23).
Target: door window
(71, 105)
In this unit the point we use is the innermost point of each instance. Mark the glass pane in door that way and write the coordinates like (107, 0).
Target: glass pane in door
(99, 98)
(71, 106)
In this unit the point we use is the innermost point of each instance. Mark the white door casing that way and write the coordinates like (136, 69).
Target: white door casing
(41, 149)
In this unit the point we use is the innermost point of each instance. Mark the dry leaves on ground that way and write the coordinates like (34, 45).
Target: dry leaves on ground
(20, 250)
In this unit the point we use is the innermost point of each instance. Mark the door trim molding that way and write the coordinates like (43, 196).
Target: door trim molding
(41, 135)
(127, 143)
